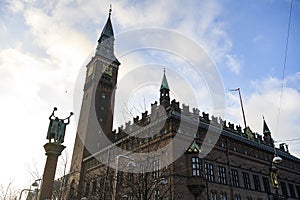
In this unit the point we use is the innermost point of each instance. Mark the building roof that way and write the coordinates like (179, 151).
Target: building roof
(164, 83)
(107, 31)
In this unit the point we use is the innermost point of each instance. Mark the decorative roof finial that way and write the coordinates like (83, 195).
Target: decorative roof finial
(164, 70)
(110, 9)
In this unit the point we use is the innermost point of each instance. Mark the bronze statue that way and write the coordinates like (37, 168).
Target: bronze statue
(57, 128)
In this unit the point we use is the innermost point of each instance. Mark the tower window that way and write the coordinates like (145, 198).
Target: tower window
(223, 145)
(103, 96)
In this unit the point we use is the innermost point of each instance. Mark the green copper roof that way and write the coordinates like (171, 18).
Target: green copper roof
(164, 83)
(194, 148)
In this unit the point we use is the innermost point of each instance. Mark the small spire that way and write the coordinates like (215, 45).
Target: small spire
(164, 83)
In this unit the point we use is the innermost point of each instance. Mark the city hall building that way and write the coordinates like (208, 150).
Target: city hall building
(171, 151)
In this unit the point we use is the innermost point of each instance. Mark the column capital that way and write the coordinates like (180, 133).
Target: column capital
(53, 149)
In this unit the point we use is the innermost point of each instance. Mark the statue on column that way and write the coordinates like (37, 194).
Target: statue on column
(57, 128)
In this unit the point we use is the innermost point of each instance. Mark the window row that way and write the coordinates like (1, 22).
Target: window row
(222, 196)
(234, 178)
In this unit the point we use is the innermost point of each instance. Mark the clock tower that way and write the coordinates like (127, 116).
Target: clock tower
(94, 130)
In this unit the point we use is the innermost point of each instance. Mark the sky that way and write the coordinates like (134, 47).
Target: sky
(46, 44)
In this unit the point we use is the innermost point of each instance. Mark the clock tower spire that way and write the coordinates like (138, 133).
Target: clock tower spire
(106, 41)
(94, 130)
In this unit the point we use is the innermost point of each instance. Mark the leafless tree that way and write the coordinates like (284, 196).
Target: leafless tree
(8, 192)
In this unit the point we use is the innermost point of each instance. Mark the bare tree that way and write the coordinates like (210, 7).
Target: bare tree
(60, 184)
(33, 170)
(8, 192)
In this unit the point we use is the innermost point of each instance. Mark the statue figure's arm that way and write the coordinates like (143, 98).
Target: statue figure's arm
(68, 118)
(52, 115)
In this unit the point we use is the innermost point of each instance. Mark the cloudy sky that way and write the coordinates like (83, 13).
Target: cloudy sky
(44, 45)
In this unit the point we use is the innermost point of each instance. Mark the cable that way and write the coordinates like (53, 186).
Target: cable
(284, 66)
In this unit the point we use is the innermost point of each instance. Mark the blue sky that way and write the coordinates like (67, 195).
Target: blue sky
(44, 45)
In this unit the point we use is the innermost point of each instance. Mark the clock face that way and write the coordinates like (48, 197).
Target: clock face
(90, 70)
(107, 70)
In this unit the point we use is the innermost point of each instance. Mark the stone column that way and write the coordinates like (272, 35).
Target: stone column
(53, 150)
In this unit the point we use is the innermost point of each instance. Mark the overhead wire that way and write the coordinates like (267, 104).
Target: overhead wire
(284, 68)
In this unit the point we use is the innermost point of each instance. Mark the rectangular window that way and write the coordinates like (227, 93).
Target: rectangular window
(222, 174)
(130, 196)
(237, 197)
(130, 177)
(196, 166)
(87, 189)
(209, 172)
(94, 186)
(246, 180)
(223, 196)
(213, 196)
(142, 167)
(235, 178)
(292, 190)
(284, 189)
(156, 169)
(298, 190)
(256, 183)
(156, 194)
(267, 185)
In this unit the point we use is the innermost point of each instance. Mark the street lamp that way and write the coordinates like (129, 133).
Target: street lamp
(130, 164)
(274, 169)
(277, 160)
(36, 185)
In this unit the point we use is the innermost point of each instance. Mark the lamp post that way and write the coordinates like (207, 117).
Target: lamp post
(29, 190)
(132, 163)
(36, 185)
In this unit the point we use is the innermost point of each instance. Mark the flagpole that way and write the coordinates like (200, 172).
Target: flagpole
(241, 101)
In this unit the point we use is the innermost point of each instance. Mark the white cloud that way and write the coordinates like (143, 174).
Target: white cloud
(16, 6)
(233, 63)
(265, 100)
